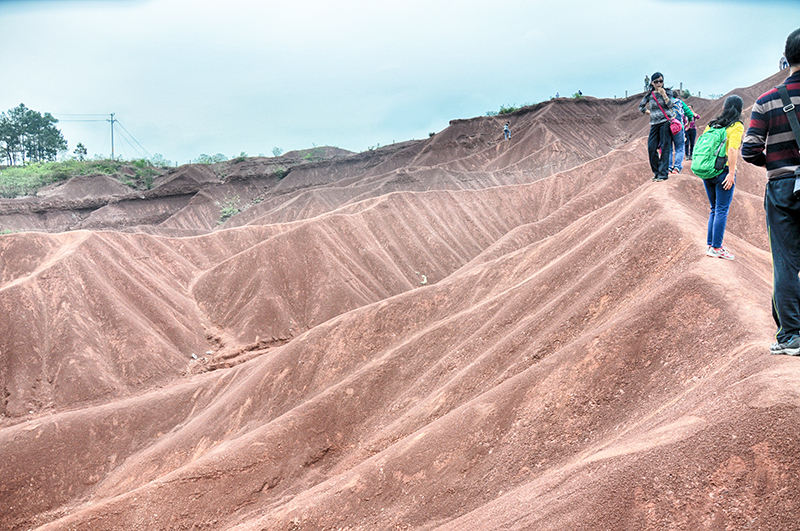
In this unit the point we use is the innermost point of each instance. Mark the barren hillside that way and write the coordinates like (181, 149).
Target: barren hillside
(458, 333)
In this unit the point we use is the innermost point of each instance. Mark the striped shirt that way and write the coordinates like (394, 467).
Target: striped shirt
(770, 129)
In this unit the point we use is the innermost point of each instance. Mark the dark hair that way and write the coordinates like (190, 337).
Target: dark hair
(792, 52)
(731, 112)
(656, 76)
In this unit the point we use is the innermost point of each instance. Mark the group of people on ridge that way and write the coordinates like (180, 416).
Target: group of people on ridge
(770, 141)
(666, 150)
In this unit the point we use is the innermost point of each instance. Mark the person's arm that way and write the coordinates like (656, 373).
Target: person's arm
(687, 111)
(666, 96)
(643, 104)
(756, 138)
(734, 142)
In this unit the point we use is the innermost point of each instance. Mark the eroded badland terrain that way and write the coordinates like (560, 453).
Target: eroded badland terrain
(457, 333)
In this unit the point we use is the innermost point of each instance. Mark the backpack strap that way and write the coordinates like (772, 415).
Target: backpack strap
(791, 115)
(788, 107)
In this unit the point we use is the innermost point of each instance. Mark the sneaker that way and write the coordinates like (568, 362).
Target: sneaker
(722, 252)
(658, 179)
(790, 348)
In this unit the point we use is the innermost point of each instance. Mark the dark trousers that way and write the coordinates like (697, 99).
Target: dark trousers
(660, 136)
(783, 226)
(691, 136)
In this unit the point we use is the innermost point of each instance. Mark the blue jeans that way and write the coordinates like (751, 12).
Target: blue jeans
(783, 226)
(677, 151)
(720, 200)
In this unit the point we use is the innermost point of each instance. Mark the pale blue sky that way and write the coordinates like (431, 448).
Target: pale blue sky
(185, 78)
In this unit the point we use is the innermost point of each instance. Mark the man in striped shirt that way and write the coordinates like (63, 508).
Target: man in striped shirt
(770, 142)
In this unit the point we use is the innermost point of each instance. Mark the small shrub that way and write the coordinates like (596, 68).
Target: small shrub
(508, 109)
(208, 159)
(229, 208)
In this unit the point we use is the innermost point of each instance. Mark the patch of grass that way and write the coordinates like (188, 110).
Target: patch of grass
(315, 154)
(19, 181)
(230, 207)
(508, 109)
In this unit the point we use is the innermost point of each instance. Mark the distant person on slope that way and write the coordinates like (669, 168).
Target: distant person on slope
(691, 133)
(656, 99)
(506, 131)
(720, 188)
(770, 129)
(677, 146)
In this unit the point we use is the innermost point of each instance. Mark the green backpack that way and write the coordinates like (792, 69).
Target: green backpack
(709, 156)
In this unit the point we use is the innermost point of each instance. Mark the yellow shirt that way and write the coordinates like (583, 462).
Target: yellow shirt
(734, 133)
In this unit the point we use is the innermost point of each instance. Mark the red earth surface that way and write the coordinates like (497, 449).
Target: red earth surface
(457, 333)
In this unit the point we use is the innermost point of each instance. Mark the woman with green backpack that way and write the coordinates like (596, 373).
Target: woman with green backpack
(719, 188)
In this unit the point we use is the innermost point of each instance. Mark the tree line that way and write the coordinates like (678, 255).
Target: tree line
(29, 136)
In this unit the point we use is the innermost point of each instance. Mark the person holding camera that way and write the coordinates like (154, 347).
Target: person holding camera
(770, 142)
(658, 104)
(719, 189)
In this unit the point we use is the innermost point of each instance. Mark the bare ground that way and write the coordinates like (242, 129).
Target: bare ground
(460, 333)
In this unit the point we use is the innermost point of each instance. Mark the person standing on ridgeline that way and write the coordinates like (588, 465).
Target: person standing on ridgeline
(676, 153)
(658, 104)
(506, 131)
(720, 188)
(691, 133)
(770, 130)
(646, 83)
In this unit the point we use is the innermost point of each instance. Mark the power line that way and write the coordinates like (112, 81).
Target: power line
(131, 136)
(89, 117)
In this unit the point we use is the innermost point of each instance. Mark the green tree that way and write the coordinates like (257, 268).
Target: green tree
(27, 135)
(80, 151)
(10, 138)
(276, 151)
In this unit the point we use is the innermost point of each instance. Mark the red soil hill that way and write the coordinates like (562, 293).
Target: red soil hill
(455, 333)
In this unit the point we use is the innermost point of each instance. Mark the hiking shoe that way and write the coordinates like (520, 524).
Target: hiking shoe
(658, 179)
(722, 252)
(790, 348)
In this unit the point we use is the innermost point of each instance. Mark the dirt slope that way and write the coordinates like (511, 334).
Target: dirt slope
(456, 333)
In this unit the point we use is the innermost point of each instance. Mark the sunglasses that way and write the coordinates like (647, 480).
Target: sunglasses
(658, 81)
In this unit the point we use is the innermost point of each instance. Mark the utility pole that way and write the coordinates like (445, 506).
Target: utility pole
(112, 120)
